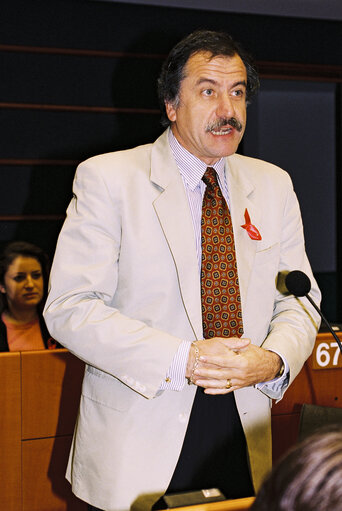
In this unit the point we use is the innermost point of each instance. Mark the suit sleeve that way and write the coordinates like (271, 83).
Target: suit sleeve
(295, 322)
(84, 276)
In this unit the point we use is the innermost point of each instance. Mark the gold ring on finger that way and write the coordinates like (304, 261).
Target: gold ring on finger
(229, 384)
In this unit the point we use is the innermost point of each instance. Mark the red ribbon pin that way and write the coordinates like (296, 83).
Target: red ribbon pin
(252, 231)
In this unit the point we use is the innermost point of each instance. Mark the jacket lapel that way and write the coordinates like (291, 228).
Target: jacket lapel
(241, 198)
(173, 212)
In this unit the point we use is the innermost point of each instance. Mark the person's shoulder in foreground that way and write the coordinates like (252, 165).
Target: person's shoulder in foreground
(307, 478)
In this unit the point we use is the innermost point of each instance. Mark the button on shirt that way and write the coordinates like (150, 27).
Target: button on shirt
(192, 170)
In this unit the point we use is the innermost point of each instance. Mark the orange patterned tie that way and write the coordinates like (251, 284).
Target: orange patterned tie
(221, 301)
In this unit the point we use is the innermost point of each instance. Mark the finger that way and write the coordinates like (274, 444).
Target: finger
(234, 343)
(235, 381)
(206, 383)
(229, 360)
(217, 391)
(241, 350)
(212, 372)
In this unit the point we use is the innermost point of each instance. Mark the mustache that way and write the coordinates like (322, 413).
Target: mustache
(225, 121)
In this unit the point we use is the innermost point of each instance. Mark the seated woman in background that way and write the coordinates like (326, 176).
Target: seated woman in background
(308, 477)
(23, 285)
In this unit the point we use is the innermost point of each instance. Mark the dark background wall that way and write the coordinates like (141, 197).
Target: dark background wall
(78, 78)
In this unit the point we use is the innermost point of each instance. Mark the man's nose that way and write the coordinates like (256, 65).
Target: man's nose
(225, 106)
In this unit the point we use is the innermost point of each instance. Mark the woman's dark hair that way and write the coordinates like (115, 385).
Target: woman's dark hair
(308, 478)
(22, 248)
(173, 69)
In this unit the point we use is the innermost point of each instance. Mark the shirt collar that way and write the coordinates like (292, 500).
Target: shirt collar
(192, 168)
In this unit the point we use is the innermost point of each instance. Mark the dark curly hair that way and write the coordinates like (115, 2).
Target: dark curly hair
(308, 477)
(173, 69)
(15, 249)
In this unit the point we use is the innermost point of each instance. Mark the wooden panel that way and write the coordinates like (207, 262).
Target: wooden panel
(322, 387)
(51, 385)
(69, 79)
(72, 135)
(44, 483)
(10, 431)
(314, 386)
(79, 52)
(80, 108)
(154, 29)
(34, 198)
(41, 161)
(44, 234)
(327, 353)
(31, 218)
(303, 71)
(284, 433)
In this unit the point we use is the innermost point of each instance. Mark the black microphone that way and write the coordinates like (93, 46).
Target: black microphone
(298, 284)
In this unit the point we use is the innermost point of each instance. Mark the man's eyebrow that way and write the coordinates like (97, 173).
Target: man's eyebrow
(241, 82)
(205, 80)
(202, 80)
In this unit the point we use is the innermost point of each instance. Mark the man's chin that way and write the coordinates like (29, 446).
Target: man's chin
(224, 148)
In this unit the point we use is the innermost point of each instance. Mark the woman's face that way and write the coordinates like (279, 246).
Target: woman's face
(23, 283)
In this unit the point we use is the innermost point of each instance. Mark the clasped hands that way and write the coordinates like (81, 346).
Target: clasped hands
(227, 364)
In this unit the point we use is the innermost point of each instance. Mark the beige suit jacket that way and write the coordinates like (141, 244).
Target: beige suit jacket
(125, 292)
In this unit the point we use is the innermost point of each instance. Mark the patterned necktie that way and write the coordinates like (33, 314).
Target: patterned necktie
(221, 301)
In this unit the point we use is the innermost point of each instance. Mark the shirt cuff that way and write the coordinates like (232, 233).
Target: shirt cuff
(275, 388)
(175, 376)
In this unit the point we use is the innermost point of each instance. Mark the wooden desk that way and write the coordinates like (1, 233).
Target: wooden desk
(314, 385)
(10, 432)
(39, 404)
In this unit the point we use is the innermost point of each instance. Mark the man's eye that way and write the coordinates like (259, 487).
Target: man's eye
(208, 92)
(36, 276)
(238, 92)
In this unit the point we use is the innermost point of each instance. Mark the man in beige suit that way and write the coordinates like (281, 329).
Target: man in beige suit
(125, 297)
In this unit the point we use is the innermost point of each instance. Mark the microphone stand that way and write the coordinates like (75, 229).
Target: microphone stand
(325, 321)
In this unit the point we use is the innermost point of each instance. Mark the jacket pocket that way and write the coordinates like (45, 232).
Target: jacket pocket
(267, 255)
(107, 390)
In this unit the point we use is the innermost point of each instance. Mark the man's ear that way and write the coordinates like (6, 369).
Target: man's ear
(170, 111)
(2, 289)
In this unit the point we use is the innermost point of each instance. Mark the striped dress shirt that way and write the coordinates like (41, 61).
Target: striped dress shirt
(192, 170)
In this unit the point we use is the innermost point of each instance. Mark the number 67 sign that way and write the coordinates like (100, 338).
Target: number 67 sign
(326, 355)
